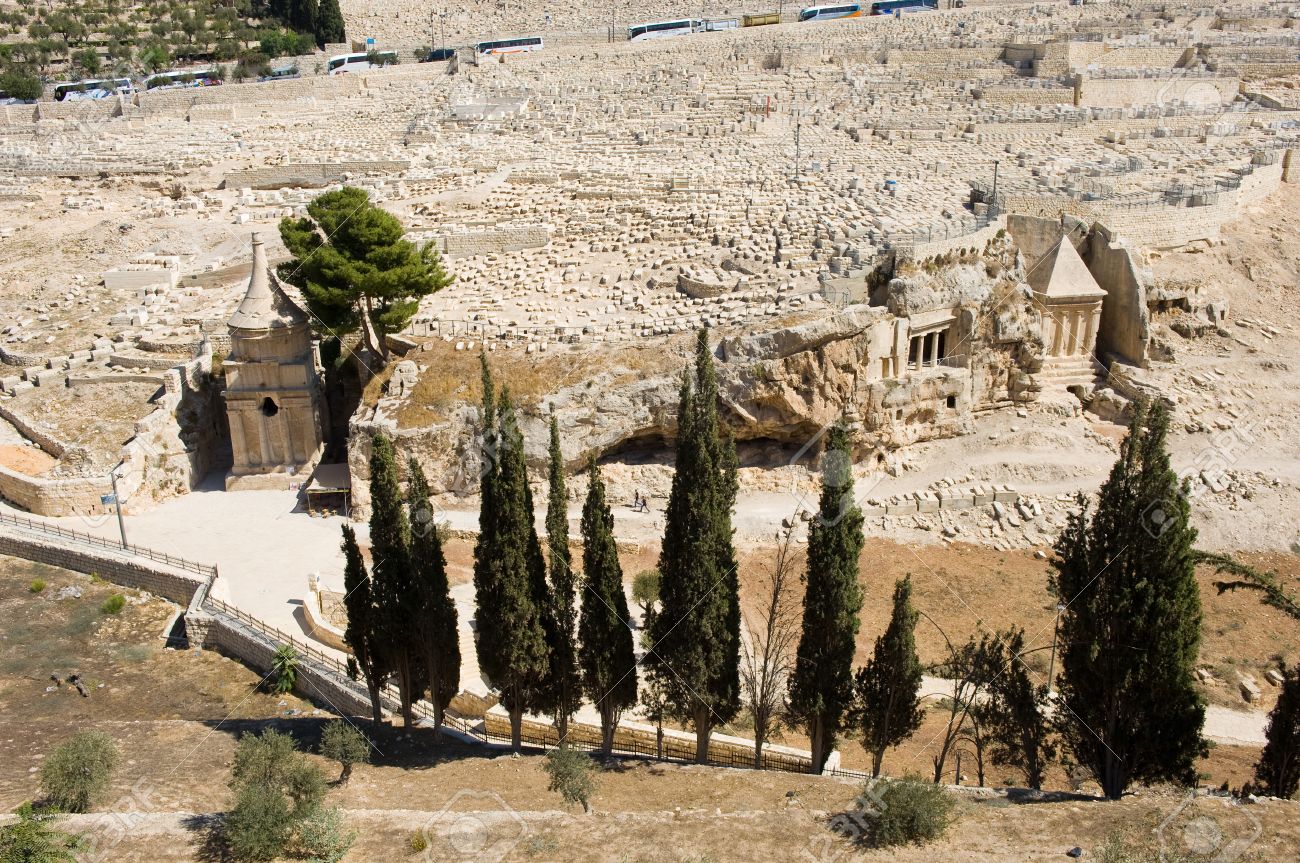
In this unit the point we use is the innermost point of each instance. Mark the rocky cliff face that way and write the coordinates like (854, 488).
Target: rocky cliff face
(781, 387)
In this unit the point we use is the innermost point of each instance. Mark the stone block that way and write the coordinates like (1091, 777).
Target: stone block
(901, 507)
(926, 502)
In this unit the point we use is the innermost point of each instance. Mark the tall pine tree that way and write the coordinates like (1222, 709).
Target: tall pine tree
(607, 655)
(362, 634)
(565, 677)
(435, 617)
(1132, 624)
(511, 643)
(390, 540)
(821, 689)
(887, 709)
(695, 635)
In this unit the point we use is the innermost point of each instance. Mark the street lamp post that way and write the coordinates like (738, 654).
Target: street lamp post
(117, 502)
(1051, 663)
(994, 203)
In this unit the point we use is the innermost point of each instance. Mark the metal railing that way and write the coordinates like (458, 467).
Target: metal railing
(203, 569)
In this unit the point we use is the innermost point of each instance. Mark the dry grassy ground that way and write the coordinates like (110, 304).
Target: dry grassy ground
(176, 715)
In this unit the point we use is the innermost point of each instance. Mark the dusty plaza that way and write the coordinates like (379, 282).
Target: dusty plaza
(956, 253)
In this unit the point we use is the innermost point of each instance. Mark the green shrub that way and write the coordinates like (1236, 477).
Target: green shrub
(342, 742)
(78, 770)
(908, 810)
(276, 790)
(260, 824)
(323, 837)
(284, 669)
(31, 838)
(417, 841)
(570, 771)
(114, 604)
(21, 85)
(36, 586)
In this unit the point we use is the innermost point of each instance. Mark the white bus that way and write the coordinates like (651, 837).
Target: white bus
(94, 88)
(509, 46)
(183, 78)
(345, 63)
(684, 27)
(826, 13)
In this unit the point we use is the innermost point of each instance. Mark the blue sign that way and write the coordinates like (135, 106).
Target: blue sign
(106, 499)
(370, 40)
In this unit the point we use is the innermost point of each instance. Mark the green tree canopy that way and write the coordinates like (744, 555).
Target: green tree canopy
(604, 629)
(354, 268)
(564, 678)
(1132, 624)
(887, 689)
(821, 689)
(695, 634)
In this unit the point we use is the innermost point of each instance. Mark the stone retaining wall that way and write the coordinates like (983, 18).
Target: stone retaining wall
(492, 240)
(133, 572)
(256, 650)
(309, 174)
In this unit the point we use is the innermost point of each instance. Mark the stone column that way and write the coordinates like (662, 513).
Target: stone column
(1090, 339)
(238, 446)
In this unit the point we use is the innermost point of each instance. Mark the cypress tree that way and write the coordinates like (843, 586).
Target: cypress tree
(304, 15)
(329, 23)
(508, 563)
(1132, 624)
(607, 656)
(436, 619)
(1012, 713)
(1278, 770)
(887, 689)
(565, 680)
(696, 631)
(821, 689)
(361, 634)
(390, 540)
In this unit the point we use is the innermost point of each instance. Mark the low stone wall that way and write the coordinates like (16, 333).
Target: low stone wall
(318, 627)
(55, 497)
(492, 240)
(309, 174)
(257, 651)
(637, 737)
(119, 568)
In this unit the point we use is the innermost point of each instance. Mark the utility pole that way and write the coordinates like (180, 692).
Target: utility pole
(117, 502)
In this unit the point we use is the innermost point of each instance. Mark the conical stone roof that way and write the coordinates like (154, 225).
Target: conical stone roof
(265, 305)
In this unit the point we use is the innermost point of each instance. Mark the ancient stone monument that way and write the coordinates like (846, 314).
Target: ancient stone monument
(273, 388)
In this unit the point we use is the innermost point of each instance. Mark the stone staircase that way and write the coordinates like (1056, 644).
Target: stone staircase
(1061, 373)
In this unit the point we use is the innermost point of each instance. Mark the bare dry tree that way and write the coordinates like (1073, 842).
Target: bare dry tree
(771, 637)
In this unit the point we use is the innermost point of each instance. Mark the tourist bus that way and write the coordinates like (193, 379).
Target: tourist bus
(183, 78)
(509, 46)
(93, 88)
(684, 27)
(826, 13)
(345, 63)
(889, 7)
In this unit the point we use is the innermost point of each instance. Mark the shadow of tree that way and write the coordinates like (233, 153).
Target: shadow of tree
(210, 844)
